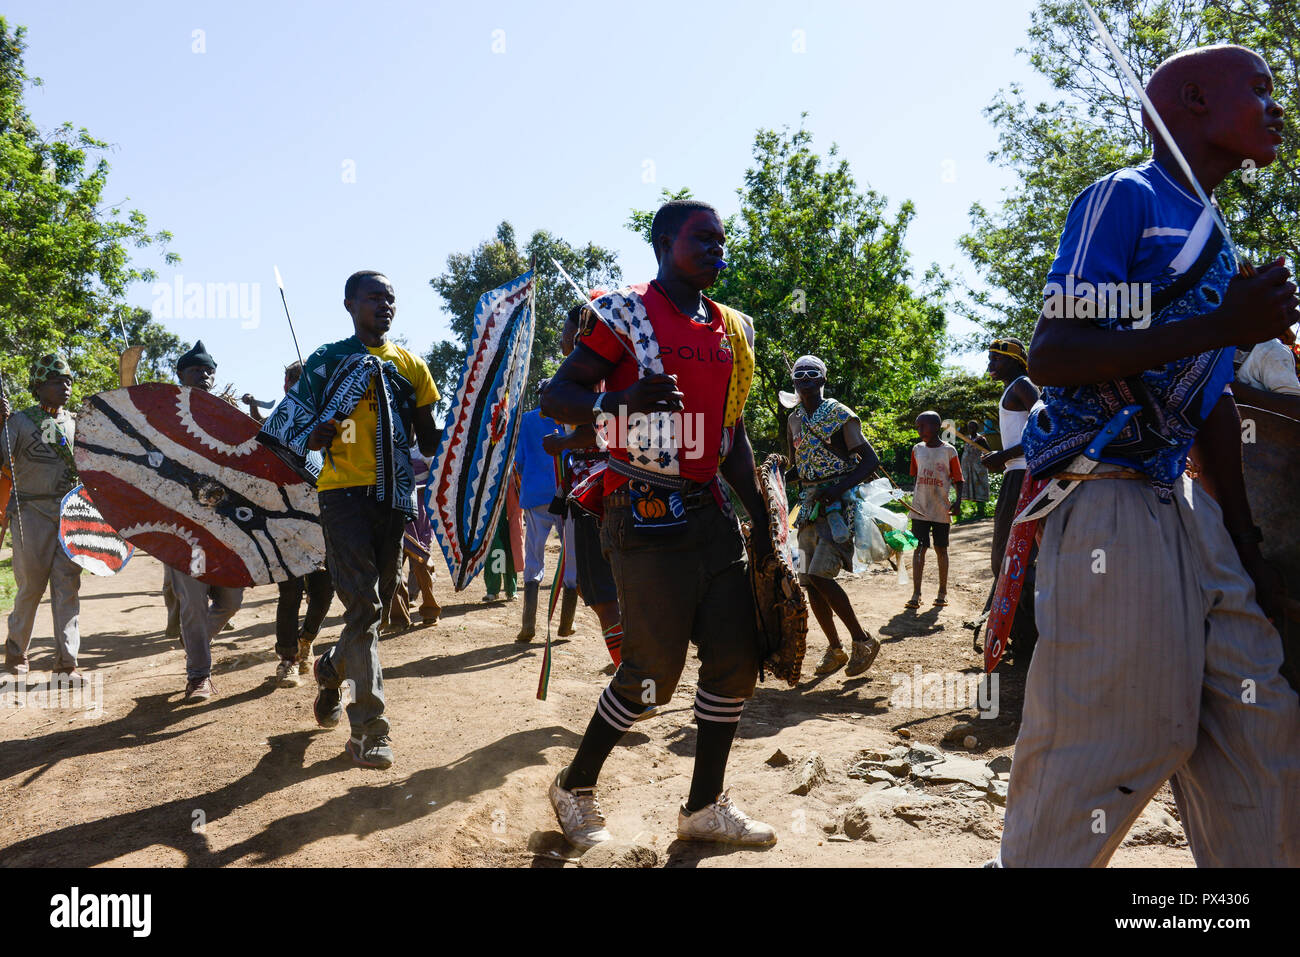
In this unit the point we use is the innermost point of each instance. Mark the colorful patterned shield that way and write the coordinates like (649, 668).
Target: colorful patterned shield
(465, 494)
(89, 540)
(1011, 578)
(6, 487)
(180, 474)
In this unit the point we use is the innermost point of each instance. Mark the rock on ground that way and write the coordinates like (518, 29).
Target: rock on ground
(616, 854)
(811, 774)
(956, 770)
(1155, 825)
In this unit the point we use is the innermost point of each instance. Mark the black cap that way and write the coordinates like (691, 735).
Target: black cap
(198, 356)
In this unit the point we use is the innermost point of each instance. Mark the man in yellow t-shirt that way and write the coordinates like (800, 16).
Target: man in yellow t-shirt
(367, 495)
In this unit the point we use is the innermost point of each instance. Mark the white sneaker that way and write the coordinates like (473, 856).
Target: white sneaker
(579, 815)
(286, 673)
(725, 823)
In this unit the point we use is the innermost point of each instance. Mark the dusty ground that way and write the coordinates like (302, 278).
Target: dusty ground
(248, 779)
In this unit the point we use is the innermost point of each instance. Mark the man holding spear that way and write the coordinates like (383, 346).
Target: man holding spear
(1155, 659)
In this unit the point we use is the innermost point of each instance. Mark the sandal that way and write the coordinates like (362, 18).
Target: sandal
(913, 603)
(940, 601)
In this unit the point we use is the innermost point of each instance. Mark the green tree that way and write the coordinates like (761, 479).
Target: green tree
(955, 394)
(1057, 149)
(497, 261)
(65, 255)
(822, 268)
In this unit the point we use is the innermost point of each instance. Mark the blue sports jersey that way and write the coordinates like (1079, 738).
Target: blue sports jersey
(1129, 237)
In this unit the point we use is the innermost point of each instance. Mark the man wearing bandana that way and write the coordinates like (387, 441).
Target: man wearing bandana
(36, 443)
(831, 456)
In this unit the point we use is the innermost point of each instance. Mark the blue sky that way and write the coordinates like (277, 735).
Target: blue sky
(326, 137)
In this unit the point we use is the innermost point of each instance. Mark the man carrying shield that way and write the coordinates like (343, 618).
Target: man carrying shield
(202, 609)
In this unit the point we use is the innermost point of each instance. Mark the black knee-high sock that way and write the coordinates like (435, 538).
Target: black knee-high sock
(716, 719)
(614, 716)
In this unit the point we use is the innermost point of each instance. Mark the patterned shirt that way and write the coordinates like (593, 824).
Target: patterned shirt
(813, 457)
(42, 458)
(687, 444)
(1130, 237)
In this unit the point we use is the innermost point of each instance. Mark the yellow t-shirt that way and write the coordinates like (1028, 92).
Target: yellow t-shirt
(353, 449)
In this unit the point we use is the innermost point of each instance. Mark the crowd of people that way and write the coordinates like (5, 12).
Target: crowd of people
(1138, 670)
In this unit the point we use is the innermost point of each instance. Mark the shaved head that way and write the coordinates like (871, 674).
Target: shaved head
(1204, 67)
(1218, 103)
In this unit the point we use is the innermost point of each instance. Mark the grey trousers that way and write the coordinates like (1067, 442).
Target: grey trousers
(204, 610)
(363, 547)
(1154, 662)
(39, 561)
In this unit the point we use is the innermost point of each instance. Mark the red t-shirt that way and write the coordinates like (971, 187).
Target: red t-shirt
(699, 355)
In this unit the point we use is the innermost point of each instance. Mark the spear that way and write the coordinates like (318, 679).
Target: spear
(594, 308)
(279, 281)
(1126, 71)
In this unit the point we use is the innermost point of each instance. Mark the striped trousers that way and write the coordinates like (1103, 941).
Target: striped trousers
(1154, 663)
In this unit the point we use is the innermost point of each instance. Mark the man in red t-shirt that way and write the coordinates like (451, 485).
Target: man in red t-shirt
(676, 367)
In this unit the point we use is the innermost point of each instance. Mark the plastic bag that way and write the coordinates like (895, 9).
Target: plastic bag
(900, 540)
(868, 544)
(870, 499)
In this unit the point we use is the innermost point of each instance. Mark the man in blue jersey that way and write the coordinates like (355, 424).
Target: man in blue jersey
(1156, 660)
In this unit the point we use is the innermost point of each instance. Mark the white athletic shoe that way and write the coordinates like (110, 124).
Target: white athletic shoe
(725, 823)
(579, 815)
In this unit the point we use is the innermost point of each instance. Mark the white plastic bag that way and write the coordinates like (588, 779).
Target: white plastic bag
(869, 544)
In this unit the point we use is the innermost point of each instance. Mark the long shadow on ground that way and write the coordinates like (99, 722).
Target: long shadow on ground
(145, 724)
(363, 810)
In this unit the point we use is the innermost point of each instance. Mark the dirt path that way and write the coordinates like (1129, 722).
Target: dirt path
(247, 779)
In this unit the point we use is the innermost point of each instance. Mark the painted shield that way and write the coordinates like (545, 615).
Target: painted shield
(1011, 579)
(89, 540)
(180, 474)
(467, 483)
(6, 488)
(1269, 465)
